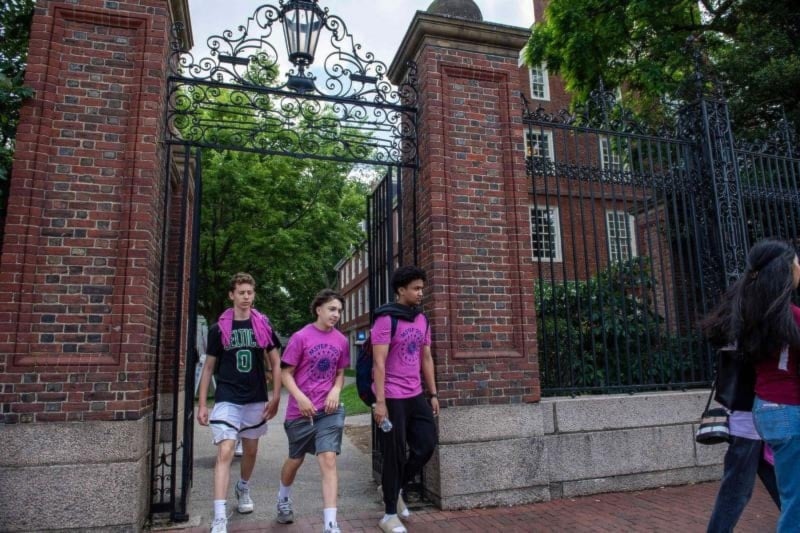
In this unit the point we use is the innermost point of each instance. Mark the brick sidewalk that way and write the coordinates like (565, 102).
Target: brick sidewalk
(669, 509)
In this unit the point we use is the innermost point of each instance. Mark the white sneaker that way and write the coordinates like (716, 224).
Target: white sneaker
(392, 525)
(332, 527)
(238, 451)
(402, 508)
(245, 502)
(219, 525)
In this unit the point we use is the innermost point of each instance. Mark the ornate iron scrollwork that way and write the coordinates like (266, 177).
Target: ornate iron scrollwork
(353, 113)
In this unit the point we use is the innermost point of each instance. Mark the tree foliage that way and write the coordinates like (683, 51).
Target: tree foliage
(749, 46)
(285, 220)
(15, 23)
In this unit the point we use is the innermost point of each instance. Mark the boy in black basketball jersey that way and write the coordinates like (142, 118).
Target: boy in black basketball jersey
(241, 346)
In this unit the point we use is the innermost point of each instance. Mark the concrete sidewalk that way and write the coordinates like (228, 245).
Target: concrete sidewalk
(357, 492)
(670, 509)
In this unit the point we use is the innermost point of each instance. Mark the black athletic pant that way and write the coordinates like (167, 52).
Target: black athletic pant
(407, 447)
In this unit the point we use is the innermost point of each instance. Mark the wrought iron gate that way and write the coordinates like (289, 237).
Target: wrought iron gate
(635, 233)
(172, 442)
(384, 236)
(235, 100)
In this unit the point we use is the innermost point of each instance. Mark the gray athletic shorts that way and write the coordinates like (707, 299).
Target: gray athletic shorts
(231, 421)
(324, 435)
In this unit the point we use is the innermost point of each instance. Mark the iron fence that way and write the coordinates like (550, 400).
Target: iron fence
(635, 233)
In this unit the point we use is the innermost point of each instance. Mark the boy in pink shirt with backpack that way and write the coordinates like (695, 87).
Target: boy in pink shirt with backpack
(401, 361)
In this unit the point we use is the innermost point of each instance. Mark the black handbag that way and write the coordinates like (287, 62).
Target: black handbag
(735, 382)
(713, 428)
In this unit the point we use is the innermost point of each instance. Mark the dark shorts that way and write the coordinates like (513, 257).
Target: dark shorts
(324, 435)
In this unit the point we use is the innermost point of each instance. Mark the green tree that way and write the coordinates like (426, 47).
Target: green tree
(748, 45)
(285, 220)
(15, 24)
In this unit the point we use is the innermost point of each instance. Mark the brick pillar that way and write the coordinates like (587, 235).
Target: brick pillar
(80, 267)
(473, 230)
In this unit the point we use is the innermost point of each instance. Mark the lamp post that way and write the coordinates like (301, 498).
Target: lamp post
(302, 22)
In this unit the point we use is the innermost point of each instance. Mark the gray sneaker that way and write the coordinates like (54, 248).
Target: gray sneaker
(285, 513)
(245, 501)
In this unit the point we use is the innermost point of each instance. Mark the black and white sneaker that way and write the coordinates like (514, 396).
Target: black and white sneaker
(285, 513)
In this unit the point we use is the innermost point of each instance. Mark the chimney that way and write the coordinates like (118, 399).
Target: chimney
(538, 10)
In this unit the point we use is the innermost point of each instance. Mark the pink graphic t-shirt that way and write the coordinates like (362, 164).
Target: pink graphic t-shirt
(404, 362)
(316, 356)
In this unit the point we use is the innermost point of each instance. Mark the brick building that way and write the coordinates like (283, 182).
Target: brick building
(353, 284)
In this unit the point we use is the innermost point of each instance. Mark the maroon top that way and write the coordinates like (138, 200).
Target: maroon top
(777, 379)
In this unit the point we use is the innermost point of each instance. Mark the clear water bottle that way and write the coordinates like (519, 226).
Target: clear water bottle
(386, 425)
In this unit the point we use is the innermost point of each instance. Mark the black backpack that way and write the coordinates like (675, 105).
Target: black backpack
(364, 363)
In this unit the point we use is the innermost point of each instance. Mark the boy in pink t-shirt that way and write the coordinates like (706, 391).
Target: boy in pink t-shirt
(400, 362)
(313, 366)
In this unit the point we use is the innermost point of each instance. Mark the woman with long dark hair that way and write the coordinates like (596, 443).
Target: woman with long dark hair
(757, 315)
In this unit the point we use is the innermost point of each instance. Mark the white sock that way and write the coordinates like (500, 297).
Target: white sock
(284, 492)
(219, 509)
(329, 515)
(387, 517)
(243, 484)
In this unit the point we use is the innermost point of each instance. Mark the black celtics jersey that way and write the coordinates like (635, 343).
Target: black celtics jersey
(240, 373)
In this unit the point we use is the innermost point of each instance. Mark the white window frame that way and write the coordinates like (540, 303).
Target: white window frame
(609, 160)
(555, 220)
(548, 136)
(537, 72)
(614, 217)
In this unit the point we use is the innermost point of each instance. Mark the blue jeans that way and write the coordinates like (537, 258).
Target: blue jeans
(779, 426)
(743, 460)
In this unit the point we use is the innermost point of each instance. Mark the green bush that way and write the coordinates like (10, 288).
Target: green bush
(604, 333)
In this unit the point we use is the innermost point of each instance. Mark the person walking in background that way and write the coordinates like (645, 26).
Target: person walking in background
(743, 460)
(238, 347)
(399, 362)
(758, 316)
(313, 372)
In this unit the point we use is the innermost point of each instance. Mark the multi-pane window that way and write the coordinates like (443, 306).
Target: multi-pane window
(545, 233)
(609, 155)
(621, 236)
(539, 144)
(540, 84)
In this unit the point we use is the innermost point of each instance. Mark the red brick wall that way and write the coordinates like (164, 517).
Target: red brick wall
(473, 229)
(80, 271)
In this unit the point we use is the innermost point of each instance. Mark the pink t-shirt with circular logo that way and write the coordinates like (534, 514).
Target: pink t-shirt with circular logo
(316, 355)
(404, 362)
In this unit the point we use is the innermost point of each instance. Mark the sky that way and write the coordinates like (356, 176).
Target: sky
(378, 25)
